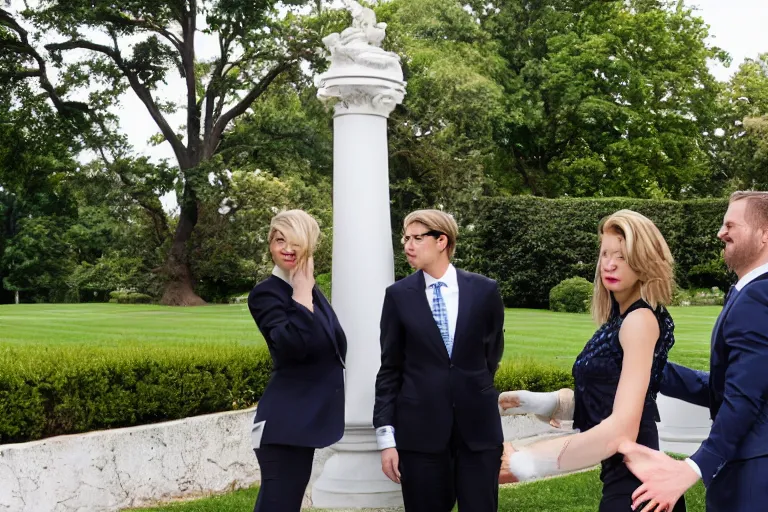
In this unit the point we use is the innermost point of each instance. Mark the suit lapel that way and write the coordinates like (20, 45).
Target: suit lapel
(329, 321)
(727, 307)
(323, 314)
(466, 298)
(719, 321)
(423, 310)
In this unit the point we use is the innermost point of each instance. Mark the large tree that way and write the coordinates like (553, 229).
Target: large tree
(36, 201)
(740, 152)
(279, 155)
(604, 97)
(441, 138)
(105, 48)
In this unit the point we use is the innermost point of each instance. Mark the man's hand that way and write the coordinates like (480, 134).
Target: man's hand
(390, 462)
(505, 475)
(664, 479)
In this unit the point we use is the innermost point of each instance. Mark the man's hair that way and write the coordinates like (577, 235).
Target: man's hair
(757, 206)
(299, 228)
(436, 220)
(646, 252)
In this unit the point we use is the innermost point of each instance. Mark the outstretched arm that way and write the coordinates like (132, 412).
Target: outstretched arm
(638, 337)
(685, 384)
(552, 407)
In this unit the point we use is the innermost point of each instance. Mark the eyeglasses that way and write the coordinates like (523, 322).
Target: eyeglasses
(417, 239)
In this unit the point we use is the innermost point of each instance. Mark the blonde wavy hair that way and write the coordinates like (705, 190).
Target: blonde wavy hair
(300, 229)
(646, 252)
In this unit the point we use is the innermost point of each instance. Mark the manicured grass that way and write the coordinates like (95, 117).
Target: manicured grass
(242, 500)
(540, 335)
(108, 325)
(573, 493)
(557, 338)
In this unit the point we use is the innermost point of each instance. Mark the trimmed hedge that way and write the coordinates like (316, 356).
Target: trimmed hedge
(119, 297)
(532, 376)
(530, 244)
(48, 392)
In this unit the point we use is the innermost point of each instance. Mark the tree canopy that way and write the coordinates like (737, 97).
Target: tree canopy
(551, 98)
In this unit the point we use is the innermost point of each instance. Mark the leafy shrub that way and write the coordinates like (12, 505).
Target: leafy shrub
(50, 391)
(532, 376)
(711, 274)
(571, 296)
(123, 297)
(324, 283)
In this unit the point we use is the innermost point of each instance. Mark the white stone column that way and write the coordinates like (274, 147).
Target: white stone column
(683, 426)
(366, 83)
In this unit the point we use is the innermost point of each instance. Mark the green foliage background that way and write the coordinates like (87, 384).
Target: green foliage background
(531, 244)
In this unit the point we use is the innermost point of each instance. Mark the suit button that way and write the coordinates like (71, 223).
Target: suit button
(451, 366)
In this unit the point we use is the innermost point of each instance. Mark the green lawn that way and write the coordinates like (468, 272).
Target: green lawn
(573, 493)
(554, 338)
(557, 338)
(109, 325)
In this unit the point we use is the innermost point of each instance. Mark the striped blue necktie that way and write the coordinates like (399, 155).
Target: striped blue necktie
(440, 314)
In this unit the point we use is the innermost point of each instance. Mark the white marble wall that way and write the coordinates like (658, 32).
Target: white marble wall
(130, 467)
(114, 469)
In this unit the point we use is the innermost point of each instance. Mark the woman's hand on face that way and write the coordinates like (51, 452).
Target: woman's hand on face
(303, 278)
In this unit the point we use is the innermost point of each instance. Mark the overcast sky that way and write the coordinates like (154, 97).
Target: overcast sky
(738, 26)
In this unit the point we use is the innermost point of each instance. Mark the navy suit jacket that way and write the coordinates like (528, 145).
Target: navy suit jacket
(736, 387)
(303, 404)
(420, 391)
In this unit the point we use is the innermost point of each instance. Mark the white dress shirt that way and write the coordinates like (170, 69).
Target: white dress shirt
(385, 435)
(744, 281)
(751, 276)
(450, 294)
(282, 274)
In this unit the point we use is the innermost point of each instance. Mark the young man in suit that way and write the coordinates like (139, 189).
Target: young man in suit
(733, 460)
(436, 414)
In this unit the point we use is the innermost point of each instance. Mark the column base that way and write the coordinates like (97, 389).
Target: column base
(352, 476)
(683, 426)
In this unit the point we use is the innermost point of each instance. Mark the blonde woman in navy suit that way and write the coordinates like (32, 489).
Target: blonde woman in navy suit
(302, 407)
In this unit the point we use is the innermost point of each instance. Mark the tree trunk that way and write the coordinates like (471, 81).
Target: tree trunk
(16, 295)
(179, 287)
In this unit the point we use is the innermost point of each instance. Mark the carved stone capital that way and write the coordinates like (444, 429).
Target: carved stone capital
(378, 97)
(362, 78)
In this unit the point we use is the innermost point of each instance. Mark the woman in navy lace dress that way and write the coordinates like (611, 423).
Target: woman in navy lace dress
(617, 375)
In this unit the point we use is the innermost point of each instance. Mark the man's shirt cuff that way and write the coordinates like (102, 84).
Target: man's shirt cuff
(385, 437)
(694, 466)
